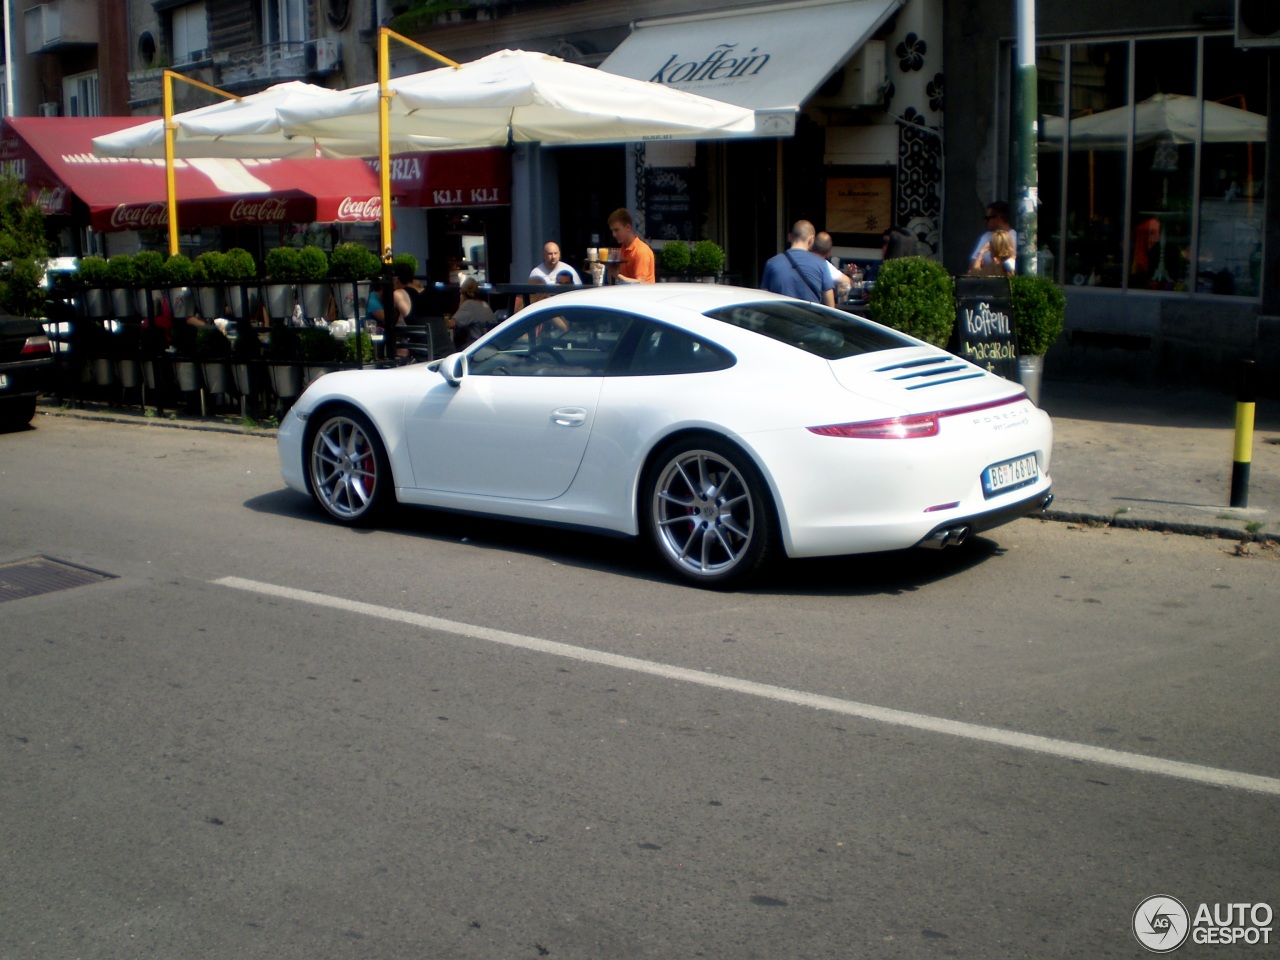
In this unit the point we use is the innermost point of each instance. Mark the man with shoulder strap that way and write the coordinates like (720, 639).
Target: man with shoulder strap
(798, 271)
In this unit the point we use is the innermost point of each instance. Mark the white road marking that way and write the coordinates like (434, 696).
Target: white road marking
(970, 731)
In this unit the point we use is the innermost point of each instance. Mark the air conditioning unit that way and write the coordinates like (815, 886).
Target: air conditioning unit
(1257, 23)
(859, 83)
(51, 109)
(324, 55)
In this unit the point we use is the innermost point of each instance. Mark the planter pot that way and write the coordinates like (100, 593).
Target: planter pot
(210, 301)
(315, 300)
(153, 372)
(246, 379)
(129, 372)
(345, 292)
(97, 302)
(182, 302)
(217, 376)
(104, 372)
(314, 371)
(122, 302)
(187, 373)
(1030, 369)
(280, 300)
(286, 379)
(240, 301)
(148, 301)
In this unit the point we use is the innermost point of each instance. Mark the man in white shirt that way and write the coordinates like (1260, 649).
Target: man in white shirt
(551, 266)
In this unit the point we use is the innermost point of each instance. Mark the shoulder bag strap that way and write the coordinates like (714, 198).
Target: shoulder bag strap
(807, 282)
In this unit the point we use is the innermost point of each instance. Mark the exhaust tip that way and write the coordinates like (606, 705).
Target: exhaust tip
(958, 536)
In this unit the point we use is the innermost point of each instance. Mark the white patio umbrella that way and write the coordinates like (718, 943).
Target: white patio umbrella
(245, 128)
(1161, 118)
(514, 96)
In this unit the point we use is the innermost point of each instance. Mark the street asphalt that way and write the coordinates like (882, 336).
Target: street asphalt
(1124, 456)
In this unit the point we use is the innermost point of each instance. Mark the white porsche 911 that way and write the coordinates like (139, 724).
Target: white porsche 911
(724, 425)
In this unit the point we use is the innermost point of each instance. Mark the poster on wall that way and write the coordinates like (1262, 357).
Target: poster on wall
(668, 204)
(859, 204)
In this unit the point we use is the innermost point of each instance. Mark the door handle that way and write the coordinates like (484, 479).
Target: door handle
(569, 417)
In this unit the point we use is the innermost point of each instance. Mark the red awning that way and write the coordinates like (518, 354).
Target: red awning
(453, 178)
(54, 157)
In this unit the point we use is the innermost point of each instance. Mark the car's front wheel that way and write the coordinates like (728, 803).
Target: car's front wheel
(347, 467)
(708, 513)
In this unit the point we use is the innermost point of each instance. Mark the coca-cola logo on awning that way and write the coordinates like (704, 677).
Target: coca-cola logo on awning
(140, 217)
(351, 208)
(266, 210)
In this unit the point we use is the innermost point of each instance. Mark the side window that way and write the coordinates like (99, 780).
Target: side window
(665, 350)
(574, 342)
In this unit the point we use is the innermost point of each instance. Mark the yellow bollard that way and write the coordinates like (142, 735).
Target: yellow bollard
(1246, 400)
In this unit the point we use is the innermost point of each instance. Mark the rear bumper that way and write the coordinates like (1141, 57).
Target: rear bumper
(954, 531)
(27, 378)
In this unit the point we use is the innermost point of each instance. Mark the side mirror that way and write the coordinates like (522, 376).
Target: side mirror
(453, 368)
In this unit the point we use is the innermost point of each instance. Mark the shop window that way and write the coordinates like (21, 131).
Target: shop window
(1151, 160)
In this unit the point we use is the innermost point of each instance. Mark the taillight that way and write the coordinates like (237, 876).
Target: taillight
(37, 346)
(906, 428)
(895, 428)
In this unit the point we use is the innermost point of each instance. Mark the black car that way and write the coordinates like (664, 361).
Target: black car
(26, 369)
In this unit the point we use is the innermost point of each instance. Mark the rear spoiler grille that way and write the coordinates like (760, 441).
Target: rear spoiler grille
(930, 372)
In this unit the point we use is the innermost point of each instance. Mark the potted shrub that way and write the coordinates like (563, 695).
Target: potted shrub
(122, 275)
(917, 296)
(707, 259)
(241, 267)
(147, 264)
(284, 350)
(1039, 311)
(213, 353)
(358, 349)
(283, 270)
(320, 352)
(674, 258)
(209, 271)
(352, 265)
(92, 274)
(313, 271)
(176, 274)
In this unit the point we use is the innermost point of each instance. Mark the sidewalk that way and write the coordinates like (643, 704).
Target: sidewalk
(1160, 459)
(1124, 456)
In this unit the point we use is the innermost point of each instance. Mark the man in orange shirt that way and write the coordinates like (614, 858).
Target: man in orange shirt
(637, 256)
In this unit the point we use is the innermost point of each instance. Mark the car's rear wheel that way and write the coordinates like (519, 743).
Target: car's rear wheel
(347, 467)
(17, 412)
(708, 512)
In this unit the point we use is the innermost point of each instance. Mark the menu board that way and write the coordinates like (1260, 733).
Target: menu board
(984, 325)
(668, 204)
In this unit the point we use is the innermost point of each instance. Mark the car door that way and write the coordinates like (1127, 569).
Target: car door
(517, 423)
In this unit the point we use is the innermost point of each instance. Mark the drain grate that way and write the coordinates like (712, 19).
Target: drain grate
(37, 575)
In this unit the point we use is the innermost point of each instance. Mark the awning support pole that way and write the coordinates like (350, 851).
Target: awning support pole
(1026, 107)
(171, 192)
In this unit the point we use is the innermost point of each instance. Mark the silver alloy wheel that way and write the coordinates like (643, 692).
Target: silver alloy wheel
(703, 512)
(344, 468)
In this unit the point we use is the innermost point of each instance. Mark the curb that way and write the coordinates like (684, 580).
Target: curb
(1159, 526)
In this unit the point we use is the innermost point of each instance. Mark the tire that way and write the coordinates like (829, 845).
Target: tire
(347, 467)
(17, 412)
(707, 511)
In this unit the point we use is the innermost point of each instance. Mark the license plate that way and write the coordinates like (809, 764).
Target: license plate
(1010, 475)
(4, 381)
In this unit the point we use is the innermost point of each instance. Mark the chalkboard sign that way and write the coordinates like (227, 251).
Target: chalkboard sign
(668, 204)
(984, 325)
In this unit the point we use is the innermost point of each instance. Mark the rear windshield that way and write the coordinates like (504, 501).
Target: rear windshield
(814, 329)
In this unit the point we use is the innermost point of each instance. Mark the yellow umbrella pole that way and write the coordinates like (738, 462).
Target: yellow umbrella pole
(385, 93)
(171, 191)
